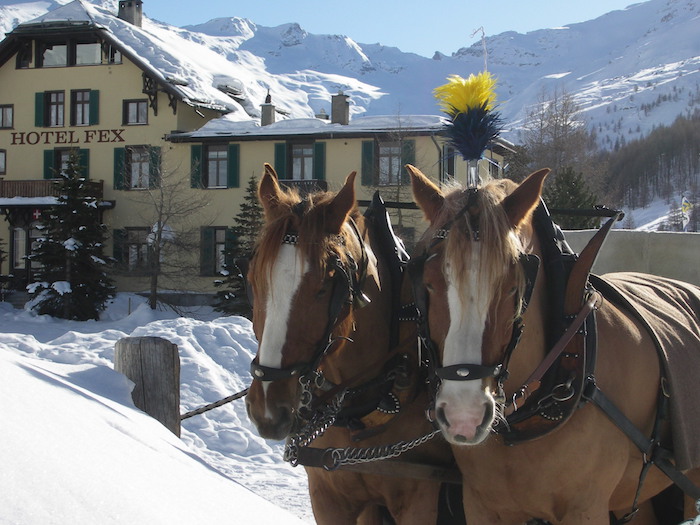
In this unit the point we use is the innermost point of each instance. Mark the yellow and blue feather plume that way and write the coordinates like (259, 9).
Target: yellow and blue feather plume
(470, 103)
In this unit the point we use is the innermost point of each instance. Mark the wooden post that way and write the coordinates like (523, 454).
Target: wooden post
(153, 364)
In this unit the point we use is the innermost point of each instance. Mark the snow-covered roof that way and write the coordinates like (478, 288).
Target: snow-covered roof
(72, 13)
(181, 67)
(226, 127)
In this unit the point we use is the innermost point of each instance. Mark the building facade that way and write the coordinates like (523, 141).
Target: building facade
(170, 157)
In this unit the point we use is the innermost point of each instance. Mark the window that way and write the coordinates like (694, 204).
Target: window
(88, 53)
(63, 53)
(390, 165)
(24, 54)
(3, 162)
(135, 112)
(383, 162)
(62, 158)
(6, 115)
(80, 107)
(19, 248)
(54, 54)
(138, 167)
(215, 247)
(56, 162)
(216, 167)
(137, 248)
(114, 56)
(302, 161)
(448, 164)
(54, 108)
(24, 240)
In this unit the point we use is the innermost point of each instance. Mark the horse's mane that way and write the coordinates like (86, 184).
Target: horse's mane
(499, 246)
(306, 217)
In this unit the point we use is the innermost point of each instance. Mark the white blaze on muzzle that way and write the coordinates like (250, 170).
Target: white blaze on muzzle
(287, 273)
(468, 313)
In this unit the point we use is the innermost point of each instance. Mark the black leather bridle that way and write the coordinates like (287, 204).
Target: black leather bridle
(467, 371)
(347, 290)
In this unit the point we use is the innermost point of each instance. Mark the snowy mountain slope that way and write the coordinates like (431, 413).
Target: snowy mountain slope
(630, 70)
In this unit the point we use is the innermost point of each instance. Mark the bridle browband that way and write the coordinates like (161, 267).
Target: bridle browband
(467, 371)
(348, 283)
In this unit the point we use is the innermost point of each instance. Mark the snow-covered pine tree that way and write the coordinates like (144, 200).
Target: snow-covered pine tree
(70, 279)
(248, 222)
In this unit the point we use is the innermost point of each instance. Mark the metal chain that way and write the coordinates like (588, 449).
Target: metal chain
(317, 425)
(351, 456)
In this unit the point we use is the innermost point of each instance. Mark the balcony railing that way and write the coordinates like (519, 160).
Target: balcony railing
(40, 188)
(305, 186)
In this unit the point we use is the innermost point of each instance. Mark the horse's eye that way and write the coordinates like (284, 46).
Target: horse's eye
(429, 287)
(323, 291)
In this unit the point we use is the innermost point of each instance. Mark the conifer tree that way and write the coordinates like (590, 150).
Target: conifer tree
(570, 191)
(71, 282)
(248, 222)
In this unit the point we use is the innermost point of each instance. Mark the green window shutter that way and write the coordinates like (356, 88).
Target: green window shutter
(320, 160)
(206, 252)
(196, 166)
(154, 174)
(119, 168)
(233, 163)
(49, 158)
(84, 163)
(94, 107)
(408, 156)
(119, 246)
(367, 174)
(39, 110)
(281, 160)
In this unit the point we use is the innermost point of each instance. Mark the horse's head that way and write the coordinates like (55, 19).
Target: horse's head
(306, 276)
(473, 286)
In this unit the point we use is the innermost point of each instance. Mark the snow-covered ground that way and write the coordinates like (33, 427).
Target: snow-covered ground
(74, 449)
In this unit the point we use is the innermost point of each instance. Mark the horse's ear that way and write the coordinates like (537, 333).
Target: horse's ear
(525, 198)
(341, 206)
(426, 194)
(269, 190)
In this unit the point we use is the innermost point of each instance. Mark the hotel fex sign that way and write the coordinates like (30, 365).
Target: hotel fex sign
(86, 136)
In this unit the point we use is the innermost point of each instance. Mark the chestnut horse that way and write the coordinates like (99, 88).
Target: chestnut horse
(322, 313)
(489, 313)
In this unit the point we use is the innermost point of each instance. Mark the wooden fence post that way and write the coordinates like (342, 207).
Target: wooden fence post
(153, 364)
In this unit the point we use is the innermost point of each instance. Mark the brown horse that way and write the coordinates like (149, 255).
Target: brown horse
(489, 314)
(322, 313)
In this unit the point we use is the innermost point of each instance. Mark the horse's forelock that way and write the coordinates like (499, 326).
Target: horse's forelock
(305, 217)
(499, 245)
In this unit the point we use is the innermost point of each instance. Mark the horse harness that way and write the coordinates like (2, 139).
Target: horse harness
(565, 379)
(325, 404)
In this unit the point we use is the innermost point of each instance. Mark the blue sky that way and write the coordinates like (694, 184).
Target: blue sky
(421, 27)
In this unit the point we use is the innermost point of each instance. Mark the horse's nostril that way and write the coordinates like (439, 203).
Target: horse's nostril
(441, 417)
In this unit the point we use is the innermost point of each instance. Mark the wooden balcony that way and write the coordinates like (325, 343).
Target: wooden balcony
(305, 186)
(40, 188)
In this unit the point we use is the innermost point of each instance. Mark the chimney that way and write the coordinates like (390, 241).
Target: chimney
(267, 116)
(131, 11)
(340, 109)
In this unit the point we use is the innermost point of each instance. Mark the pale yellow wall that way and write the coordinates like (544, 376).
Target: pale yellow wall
(26, 143)
(118, 82)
